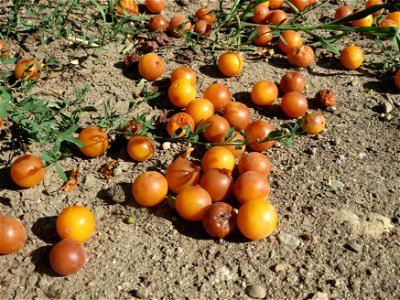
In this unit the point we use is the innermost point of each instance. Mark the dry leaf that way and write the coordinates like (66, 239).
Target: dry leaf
(187, 153)
(108, 169)
(72, 182)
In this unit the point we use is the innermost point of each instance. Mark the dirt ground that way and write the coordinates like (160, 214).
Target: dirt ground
(337, 193)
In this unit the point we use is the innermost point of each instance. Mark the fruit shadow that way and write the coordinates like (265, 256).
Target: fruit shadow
(212, 71)
(45, 229)
(40, 259)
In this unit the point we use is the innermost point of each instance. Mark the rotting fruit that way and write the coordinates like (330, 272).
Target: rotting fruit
(27, 171)
(314, 122)
(75, 222)
(301, 56)
(12, 234)
(325, 98)
(28, 69)
(230, 63)
(150, 188)
(140, 148)
(219, 220)
(95, 141)
(206, 14)
(257, 219)
(191, 203)
(151, 66)
(182, 173)
(351, 57)
(67, 257)
(256, 132)
(294, 104)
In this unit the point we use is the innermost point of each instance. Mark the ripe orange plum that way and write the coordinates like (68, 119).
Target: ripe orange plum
(257, 219)
(230, 63)
(28, 69)
(370, 3)
(158, 22)
(351, 57)
(292, 81)
(261, 13)
(67, 257)
(237, 114)
(12, 234)
(256, 132)
(275, 4)
(183, 72)
(27, 171)
(192, 202)
(155, 6)
(300, 4)
(150, 188)
(180, 120)
(397, 79)
(218, 157)
(254, 161)
(363, 22)
(219, 94)
(181, 92)
(263, 36)
(140, 148)
(206, 14)
(294, 104)
(202, 28)
(314, 123)
(235, 144)
(200, 109)
(395, 16)
(75, 222)
(264, 92)
(178, 25)
(95, 140)
(277, 17)
(216, 130)
(182, 173)
(4, 49)
(288, 39)
(218, 183)
(151, 66)
(126, 7)
(343, 11)
(251, 185)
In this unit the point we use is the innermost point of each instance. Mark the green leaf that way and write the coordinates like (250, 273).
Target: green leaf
(61, 172)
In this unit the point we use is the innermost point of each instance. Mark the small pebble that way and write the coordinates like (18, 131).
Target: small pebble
(141, 293)
(166, 145)
(319, 296)
(288, 240)
(256, 291)
(353, 246)
(387, 107)
(362, 155)
(281, 267)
